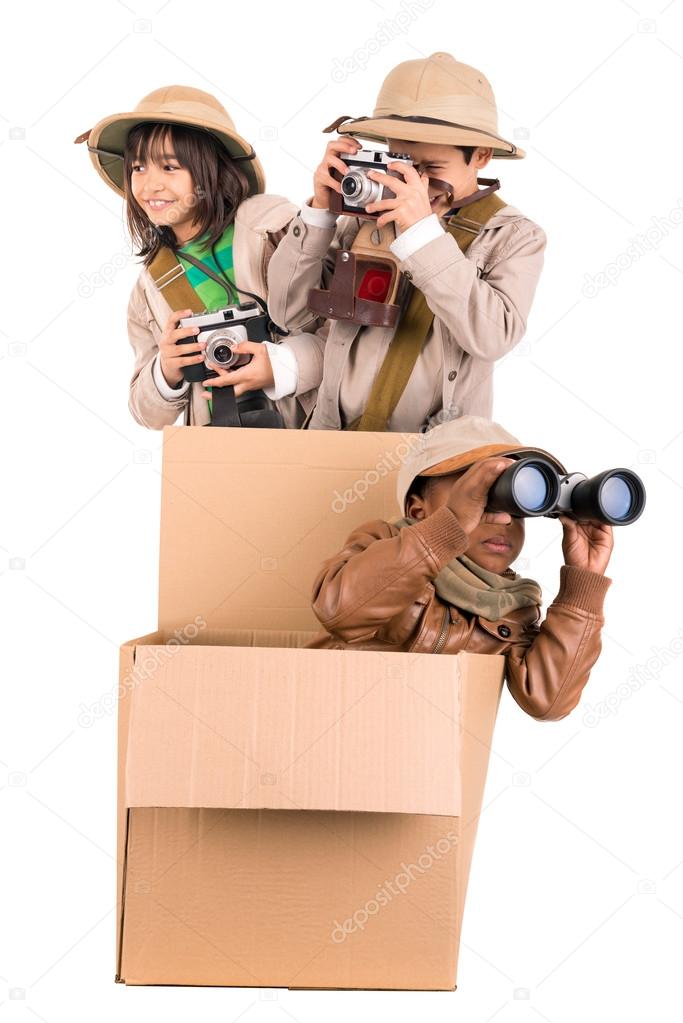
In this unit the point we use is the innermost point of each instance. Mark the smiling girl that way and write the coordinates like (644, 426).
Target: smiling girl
(194, 192)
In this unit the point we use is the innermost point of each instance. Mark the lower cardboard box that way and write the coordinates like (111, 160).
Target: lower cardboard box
(298, 818)
(287, 817)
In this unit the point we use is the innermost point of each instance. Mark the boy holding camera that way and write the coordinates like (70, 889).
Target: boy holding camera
(473, 260)
(439, 579)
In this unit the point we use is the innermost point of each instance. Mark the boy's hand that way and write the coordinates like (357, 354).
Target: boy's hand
(323, 182)
(257, 373)
(412, 196)
(586, 545)
(173, 357)
(469, 494)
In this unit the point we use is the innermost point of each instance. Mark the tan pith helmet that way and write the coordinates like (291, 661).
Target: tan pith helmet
(437, 99)
(172, 104)
(457, 444)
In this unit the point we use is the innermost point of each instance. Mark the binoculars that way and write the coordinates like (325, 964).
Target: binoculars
(533, 486)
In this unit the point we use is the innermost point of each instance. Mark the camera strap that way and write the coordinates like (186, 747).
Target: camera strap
(414, 326)
(253, 409)
(170, 278)
(169, 275)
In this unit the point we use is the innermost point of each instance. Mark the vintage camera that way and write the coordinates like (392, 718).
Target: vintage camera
(357, 189)
(533, 486)
(222, 330)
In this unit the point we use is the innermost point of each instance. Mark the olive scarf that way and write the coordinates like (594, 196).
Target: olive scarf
(468, 586)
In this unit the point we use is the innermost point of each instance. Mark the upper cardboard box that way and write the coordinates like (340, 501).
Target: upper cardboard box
(243, 531)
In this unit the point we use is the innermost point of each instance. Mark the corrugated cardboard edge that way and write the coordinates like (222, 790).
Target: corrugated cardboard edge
(126, 683)
(481, 712)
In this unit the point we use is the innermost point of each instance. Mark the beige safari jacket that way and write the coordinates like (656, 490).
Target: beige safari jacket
(480, 302)
(260, 224)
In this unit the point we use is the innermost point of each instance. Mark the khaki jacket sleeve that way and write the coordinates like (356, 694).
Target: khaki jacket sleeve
(148, 407)
(547, 676)
(308, 347)
(304, 259)
(381, 572)
(485, 315)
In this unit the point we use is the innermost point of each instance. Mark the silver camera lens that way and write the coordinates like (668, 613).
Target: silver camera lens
(219, 348)
(358, 189)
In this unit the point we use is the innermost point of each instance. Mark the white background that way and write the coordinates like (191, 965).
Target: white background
(575, 908)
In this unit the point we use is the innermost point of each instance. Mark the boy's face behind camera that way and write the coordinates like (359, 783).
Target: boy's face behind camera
(445, 163)
(492, 546)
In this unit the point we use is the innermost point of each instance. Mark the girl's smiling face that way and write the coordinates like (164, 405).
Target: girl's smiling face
(164, 190)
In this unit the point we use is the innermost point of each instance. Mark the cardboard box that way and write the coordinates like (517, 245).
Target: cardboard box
(288, 817)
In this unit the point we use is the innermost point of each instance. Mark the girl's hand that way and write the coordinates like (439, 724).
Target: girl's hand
(173, 357)
(586, 545)
(257, 373)
(412, 196)
(323, 182)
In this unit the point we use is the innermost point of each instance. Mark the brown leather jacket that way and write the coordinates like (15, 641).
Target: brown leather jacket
(378, 594)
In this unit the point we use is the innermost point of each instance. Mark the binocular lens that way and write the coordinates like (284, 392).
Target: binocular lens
(530, 488)
(617, 497)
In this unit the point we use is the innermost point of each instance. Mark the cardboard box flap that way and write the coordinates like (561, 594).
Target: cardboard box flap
(278, 728)
(246, 522)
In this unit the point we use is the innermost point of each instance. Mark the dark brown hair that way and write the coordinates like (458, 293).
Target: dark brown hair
(466, 152)
(218, 182)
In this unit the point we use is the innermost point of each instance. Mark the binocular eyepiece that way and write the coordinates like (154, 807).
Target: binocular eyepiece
(533, 486)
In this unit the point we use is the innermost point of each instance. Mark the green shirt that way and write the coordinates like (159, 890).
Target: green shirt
(210, 292)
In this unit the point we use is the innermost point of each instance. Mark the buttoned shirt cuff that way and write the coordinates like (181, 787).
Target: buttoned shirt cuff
(416, 236)
(285, 370)
(163, 387)
(317, 218)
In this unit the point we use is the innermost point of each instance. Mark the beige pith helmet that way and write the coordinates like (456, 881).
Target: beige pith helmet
(172, 104)
(437, 100)
(456, 445)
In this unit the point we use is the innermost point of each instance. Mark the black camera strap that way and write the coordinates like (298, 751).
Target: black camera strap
(231, 288)
(225, 282)
(252, 409)
(224, 410)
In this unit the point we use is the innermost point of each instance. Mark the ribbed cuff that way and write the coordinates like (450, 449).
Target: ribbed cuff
(582, 589)
(443, 535)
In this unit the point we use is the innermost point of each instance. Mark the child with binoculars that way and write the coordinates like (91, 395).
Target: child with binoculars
(439, 579)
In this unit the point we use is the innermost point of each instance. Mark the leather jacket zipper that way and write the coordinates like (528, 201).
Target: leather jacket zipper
(441, 641)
